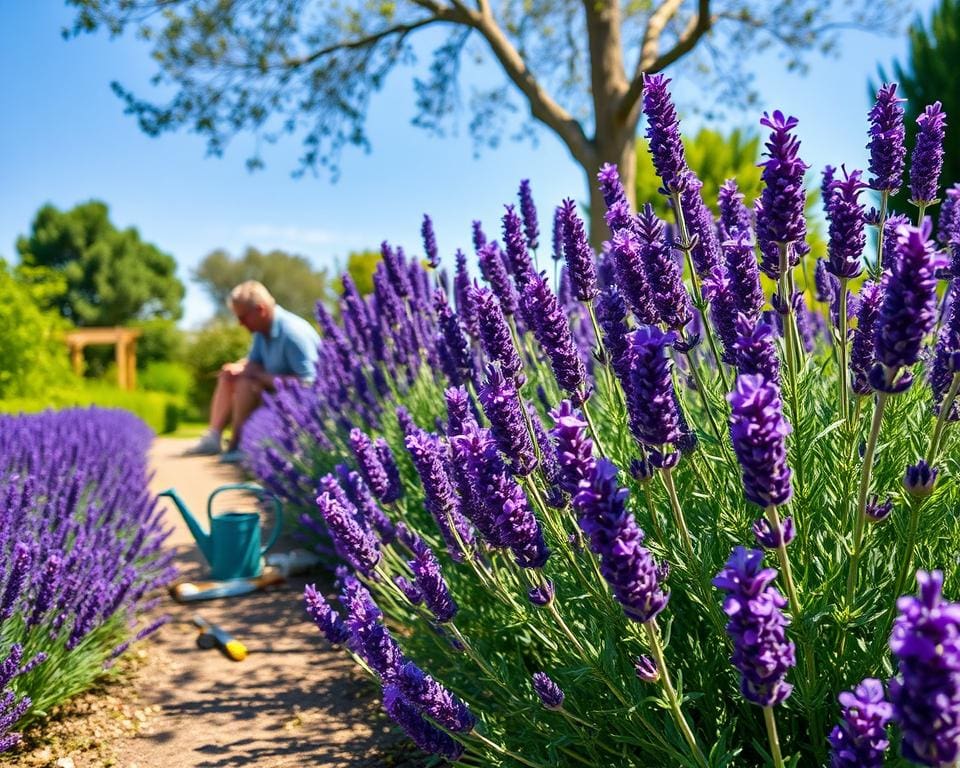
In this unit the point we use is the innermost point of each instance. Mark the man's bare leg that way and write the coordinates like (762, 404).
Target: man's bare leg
(221, 407)
(246, 398)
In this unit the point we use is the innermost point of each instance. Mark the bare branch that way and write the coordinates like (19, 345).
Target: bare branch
(650, 58)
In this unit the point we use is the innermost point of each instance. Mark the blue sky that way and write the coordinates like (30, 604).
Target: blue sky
(65, 140)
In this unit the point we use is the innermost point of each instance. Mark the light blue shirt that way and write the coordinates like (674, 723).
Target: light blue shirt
(290, 349)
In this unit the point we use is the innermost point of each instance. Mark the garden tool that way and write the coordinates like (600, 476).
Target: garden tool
(232, 546)
(193, 591)
(213, 636)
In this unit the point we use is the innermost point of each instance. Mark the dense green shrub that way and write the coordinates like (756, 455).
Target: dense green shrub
(207, 350)
(171, 377)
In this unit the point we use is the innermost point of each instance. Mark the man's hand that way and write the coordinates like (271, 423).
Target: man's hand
(258, 374)
(233, 370)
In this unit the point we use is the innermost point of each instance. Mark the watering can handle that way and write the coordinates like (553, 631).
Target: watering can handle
(260, 491)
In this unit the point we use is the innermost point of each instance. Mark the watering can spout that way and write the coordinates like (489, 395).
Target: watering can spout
(204, 539)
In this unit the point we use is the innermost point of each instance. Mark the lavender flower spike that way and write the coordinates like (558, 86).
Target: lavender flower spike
(327, 619)
(425, 735)
(847, 237)
(499, 399)
(357, 545)
(550, 694)
(495, 333)
(518, 258)
(926, 162)
(663, 133)
(761, 651)
(759, 431)
(579, 255)
(887, 150)
(574, 447)
(926, 692)
(435, 700)
(862, 348)
(429, 577)
(529, 213)
(429, 242)
(652, 404)
(860, 741)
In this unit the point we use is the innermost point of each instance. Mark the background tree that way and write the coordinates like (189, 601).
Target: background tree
(361, 265)
(292, 280)
(929, 74)
(715, 158)
(311, 68)
(112, 276)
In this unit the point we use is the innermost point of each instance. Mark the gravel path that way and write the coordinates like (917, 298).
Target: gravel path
(292, 702)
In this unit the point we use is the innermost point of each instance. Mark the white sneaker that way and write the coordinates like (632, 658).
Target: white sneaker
(208, 445)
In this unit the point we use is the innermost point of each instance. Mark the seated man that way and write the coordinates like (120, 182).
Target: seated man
(284, 345)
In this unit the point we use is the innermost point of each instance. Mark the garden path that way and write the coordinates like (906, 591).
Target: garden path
(290, 703)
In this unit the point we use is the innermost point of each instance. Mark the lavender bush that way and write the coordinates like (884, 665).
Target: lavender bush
(661, 513)
(80, 537)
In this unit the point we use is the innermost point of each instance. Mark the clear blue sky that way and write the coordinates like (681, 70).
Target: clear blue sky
(65, 140)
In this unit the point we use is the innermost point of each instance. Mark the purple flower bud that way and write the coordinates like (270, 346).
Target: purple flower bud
(518, 257)
(543, 594)
(548, 691)
(455, 343)
(612, 315)
(920, 478)
(499, 399)
(435, 700)
(429, 242)
(479, 238)
(887, 150)
(610, 185)
(719, 291)
(495, 333)
(495, 274)
(890, 227)
(926, 692)
(641, 470)
(557, 240)
(780, 218)
(429, 577)
(327, 619)
(579, 256)
(529, 212)
(426, 736)
(671, 300)
(552, 331)
(862, 348)
(847, 238)
(368, 637)
(626, 249)
(626, 565)
(647, 669)
(768, 538)
(860, 740)
(356, 545)
(394, 487)
(877, 511)
(369, 464)
(652, 405)
(518, 527)
(948, 224)
(926, 162)
(755, 350)
(736, 222)
(744, 274)
(410, 590)
(462, 298)
(663, 133)
(574, 448)
(759, 431)
(757, 626)
(909, 307)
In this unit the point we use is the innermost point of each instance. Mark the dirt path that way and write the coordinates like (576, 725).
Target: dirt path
(292, 702)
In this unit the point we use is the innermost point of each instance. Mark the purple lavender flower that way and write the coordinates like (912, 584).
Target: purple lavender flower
(499, 399)
(744, 274)
(371, 469)
(860, 740)
(847, 239)
(780, 219)
(862, 348)
(663, 133)
(552, 331)
(948, 224)
(701, 228)
(612, 317)
(877, 511)
(429, 578)
(495, 333)
(652, 406)
(920, 478)
(574, 448)
(429, 242)
(529, 212)
(758, 431)
(671, 300)
(579, 256)
(736, 222)
(21, 559)
(543, 594)
(626, 565)
(757, 626)
(946, 360)
(435, 700)
(518, 527)
(718, 289)
(610, 185)
(909, 307)
(478, 236)
(515, 243)
(556, 252)
(926, 692)
(890, 227)
(410, 590)
(495, 273)
(454, 340)
(426, 736)
(368, 637)
(550, 694)
(647, 669)
(926, 162)
(327, 619)
(769, 538)
(887, 150)
(358, 546)
(394, 487)
(462, 298)
(626, 250)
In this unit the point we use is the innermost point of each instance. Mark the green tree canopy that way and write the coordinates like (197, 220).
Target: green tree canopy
(112, 276)
(715, 158)
(292, 280)
(928, 74)
(361, 265)
(312, 68)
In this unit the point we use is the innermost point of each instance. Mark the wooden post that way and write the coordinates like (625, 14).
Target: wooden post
(121, 353)
(76, 358)
(131, 343)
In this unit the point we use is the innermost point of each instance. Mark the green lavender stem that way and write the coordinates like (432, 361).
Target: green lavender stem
(945, 407)
(884, 202)
(657, 650)
(771, 723)
(678, 517)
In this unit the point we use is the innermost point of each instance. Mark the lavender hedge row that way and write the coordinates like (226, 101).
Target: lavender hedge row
(80, 548)
(672, 512)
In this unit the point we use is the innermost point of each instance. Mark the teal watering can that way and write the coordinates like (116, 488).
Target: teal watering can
(232, 547)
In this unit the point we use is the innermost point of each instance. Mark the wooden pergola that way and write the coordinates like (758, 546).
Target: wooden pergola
(123, 339)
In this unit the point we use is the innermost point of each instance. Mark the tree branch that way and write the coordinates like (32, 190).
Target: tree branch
(650, 58)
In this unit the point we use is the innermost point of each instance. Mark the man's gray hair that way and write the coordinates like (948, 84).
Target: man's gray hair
(250, 294)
